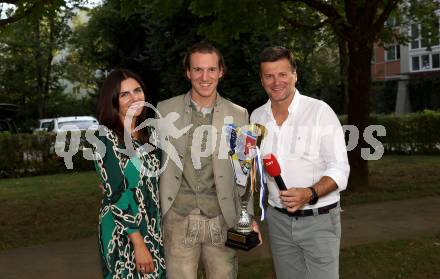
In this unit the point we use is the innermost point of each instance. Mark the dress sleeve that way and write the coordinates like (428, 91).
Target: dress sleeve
(120, 184)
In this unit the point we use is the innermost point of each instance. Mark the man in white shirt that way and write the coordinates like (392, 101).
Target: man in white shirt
(306, 137)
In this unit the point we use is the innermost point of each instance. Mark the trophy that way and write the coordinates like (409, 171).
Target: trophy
(244, 143)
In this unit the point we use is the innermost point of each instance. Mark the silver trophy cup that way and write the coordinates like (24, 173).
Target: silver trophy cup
(243, 143)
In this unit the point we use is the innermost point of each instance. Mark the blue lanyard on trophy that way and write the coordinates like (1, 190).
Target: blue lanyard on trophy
(245, 157)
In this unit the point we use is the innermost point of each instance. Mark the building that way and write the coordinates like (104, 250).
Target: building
(403, 63)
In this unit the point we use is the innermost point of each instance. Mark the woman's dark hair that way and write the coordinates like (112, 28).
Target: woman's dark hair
(108, 103)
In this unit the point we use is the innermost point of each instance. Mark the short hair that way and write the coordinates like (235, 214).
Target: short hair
(108, 103)
(272, 54)
(203, 47)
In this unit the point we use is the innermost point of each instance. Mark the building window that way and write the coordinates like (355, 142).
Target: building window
(415, 36)
(423, 37)
(415, 63)
(436, 61)
(425, 62)
(392, 53)
(426, 65)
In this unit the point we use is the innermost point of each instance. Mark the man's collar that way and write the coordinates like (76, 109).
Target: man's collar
(203, 110)
(188, 100)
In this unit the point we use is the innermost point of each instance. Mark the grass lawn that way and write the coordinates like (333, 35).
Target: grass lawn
(398, 259)
(42, 209)
(399, 177)
(47, 208)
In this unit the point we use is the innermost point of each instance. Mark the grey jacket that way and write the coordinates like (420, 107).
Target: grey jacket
(171, 178)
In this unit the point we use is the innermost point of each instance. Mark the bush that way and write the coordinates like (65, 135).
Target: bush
(415, 133)
(424, 93)
(33, 154)
(383, 96)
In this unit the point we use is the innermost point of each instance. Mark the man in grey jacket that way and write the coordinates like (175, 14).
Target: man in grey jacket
(199, 197)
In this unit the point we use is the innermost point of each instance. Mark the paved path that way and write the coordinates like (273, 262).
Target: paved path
(78, 259)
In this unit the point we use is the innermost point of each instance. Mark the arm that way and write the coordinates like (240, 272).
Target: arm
(119, 191)
(118, 196)
(295, 198)
(143, 258)
(333, 151)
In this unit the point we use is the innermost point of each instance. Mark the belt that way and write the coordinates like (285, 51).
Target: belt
(308, 212)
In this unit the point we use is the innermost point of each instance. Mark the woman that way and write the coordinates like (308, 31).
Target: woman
(130, 238)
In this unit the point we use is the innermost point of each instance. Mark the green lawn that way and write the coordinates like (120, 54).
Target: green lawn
(398, 259)
(42, 209)
(46, 208)
(397, 178)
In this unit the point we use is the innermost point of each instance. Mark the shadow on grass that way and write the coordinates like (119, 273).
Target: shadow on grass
(397, 259)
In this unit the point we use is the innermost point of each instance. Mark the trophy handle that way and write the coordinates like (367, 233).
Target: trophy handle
(262, 133)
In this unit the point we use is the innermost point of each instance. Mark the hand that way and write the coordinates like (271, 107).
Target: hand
(256, 229)
(294, 198)
(102, 188)
(142, 257)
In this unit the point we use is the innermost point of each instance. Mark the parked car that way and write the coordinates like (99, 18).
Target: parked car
(62, 125)
(73, 123)
(44, 124)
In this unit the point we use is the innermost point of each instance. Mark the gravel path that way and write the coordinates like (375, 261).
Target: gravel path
(78, 259)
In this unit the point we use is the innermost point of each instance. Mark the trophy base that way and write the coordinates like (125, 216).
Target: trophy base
(242, 241)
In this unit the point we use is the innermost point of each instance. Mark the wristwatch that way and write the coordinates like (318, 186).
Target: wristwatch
(314, 198)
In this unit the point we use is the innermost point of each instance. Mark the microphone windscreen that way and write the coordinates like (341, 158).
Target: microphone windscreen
(271, 165)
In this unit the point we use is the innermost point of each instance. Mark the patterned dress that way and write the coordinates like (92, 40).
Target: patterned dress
(130, 203)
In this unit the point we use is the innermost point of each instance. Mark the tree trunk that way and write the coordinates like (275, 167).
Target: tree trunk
(359, 79)
(343, 70)
(39, 69)
(48, 66)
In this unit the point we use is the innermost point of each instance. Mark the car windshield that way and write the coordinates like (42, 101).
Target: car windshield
(79, 124)
(46, 125)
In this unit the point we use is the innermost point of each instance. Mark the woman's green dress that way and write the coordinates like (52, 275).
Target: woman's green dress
(130, 203)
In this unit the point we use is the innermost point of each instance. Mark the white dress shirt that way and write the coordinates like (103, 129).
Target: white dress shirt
(308, 145)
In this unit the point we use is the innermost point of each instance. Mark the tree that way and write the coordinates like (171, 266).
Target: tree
(151, 39)
(356, 25)
(20, 9)
(30, 76)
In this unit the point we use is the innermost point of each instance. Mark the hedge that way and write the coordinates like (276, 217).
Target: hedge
(415, 133)
(32, 154)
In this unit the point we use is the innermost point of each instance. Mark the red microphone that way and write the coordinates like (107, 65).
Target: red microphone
(273, 169)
